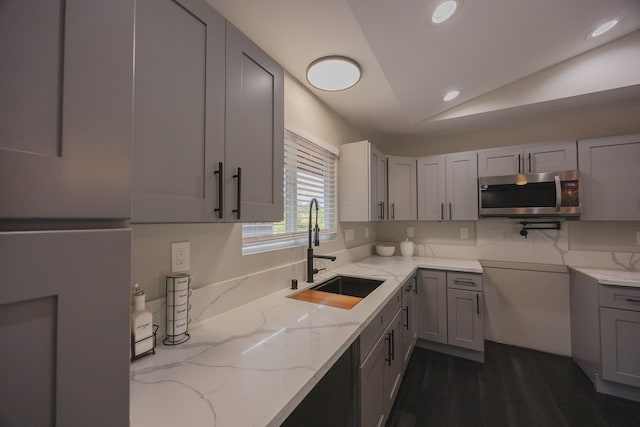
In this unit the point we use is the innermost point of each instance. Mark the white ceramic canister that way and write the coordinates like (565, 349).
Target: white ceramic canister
(406, 248)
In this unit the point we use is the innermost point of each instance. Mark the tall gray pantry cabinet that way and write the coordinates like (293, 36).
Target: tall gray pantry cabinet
(65, 161)
(209, 119)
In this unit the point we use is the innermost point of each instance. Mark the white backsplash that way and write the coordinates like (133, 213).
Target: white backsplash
(216, 298)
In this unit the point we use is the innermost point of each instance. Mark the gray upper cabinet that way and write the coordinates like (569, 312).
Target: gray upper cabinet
(65, 109)
(209, 119)
(362, 174)
(402, 180)
(533, 158)
(448, 187)
(610, 176)
(179, 111)
(254, 142)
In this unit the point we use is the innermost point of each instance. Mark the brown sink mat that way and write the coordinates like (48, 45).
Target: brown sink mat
(327, 298)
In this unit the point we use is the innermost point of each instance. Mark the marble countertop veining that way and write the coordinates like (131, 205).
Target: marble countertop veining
(612, 277)
(252, 365)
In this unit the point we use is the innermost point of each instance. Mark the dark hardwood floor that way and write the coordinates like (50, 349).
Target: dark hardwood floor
(515, 387)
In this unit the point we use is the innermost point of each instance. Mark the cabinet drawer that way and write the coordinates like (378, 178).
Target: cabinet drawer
(372, 332)
(626, 298)
(468, 281)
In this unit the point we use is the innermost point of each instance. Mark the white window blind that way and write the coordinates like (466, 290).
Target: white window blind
(309, 172)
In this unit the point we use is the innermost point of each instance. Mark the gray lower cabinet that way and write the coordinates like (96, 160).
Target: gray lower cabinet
(209, 119)
(605, 334)
(254, 126)
(179, 111)
(450, 312)
(410, 320)
(64, 322)
(432, 305)
(621, 345)
(381, 364)
(464, 319)
(66, 113)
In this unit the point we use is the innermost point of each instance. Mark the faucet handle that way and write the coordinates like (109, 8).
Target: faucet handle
(317, 270)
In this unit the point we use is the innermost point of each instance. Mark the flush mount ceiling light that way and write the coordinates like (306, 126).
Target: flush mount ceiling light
(444, 11)
(451, 95)
(333, 73)
(603, 28)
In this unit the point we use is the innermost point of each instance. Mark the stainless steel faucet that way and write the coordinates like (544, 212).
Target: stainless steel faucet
(316, 242)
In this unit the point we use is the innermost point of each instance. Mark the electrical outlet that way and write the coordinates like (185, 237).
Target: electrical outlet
(409, 231)
(180, 256)
(366, 232)
(464, 233)
(349, 235)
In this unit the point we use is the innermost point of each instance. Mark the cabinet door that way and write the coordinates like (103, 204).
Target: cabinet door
(409, 318)
(620, 342)
(64, 320)
(371, 387)
(392, 374)
(254, 141)
(431, 188)
(462, 186)
(432, 305)
(464, 314)
(66, 114)
(179, 111)
(378, 196)
(551, 157)
(402, 188)
(500, 161)
(610, 175)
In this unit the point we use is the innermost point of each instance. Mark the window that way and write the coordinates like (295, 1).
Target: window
(309, 171)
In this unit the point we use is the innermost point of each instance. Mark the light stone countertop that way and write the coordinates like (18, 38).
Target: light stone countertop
(612, 277)
(253, 365)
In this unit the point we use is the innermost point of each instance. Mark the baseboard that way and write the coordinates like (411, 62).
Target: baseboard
(476, 356)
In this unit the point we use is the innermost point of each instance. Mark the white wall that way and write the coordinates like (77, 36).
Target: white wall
(216, 249)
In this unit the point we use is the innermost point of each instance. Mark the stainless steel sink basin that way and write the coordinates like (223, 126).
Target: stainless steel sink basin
(348, 285)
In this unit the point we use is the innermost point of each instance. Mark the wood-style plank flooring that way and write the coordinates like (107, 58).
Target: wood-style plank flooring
(515, 387)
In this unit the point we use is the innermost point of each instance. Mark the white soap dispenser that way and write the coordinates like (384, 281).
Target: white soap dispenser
(141, 324)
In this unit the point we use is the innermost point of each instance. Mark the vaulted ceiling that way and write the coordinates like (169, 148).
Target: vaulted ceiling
(506, 57)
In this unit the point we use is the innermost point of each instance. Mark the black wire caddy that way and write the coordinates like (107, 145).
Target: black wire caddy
(152, 350)
(178, 306)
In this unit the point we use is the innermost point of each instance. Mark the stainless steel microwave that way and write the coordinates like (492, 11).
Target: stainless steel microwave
(531, 195)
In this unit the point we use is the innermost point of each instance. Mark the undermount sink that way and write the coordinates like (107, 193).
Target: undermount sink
(348, 285)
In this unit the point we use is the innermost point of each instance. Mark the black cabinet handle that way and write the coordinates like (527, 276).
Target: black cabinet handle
(450, 209)
(238, 176)
(406, 312)
(393, 211)
(220, 174)
(388, 340)
(478, 303)
(519, 170)
(529, 162)
(393, 344)
(441, 211)
(633, 300)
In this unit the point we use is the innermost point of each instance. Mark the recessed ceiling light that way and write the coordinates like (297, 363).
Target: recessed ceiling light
(451, 95)
(333, 73)
(444, 11)
(604, 28)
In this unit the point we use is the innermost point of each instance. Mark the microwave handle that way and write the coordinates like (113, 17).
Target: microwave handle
(556, 179)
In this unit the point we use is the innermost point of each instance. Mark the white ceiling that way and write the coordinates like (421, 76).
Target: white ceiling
(503, 55)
